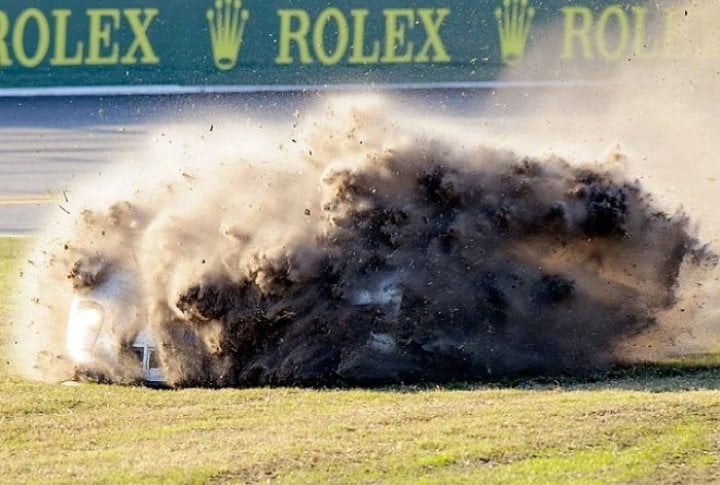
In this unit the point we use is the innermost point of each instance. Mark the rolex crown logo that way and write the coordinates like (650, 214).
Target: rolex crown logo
(227, 25)
(514, 20)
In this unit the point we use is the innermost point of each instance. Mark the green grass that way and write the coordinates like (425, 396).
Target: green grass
(11, 252)
(645, 424)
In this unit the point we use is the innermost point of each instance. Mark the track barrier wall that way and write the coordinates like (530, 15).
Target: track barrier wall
(152, 46)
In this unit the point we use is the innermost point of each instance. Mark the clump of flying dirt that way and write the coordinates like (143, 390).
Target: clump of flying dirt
(434, 268)
(381, 255)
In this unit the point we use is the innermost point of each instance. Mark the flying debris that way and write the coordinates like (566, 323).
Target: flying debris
(387, 256)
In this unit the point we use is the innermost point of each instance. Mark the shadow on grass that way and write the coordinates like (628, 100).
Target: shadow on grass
(698, 372)
(687, 373)
(692, 372)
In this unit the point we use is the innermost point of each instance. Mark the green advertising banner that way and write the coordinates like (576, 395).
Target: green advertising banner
(152, 46)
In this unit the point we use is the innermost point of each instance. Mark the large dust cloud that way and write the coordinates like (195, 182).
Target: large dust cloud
(363, 242)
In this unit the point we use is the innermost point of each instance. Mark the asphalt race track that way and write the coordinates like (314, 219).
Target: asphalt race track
(47, 144)
(38, 165)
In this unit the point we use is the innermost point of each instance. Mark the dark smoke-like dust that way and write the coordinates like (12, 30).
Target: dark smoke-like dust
(432, 266)
(355, 246)
(385, 257)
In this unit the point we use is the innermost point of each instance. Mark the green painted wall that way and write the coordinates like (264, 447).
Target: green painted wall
(238, 44)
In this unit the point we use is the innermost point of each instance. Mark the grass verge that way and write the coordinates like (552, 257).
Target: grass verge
(654, 423)
(11, 253)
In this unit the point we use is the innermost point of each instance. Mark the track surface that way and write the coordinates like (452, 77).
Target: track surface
(38, 164)
(48, 144)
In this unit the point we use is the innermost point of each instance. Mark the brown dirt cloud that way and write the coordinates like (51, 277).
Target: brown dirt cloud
(360, 243)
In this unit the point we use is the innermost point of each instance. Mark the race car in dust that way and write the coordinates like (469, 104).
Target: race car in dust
(420, 268)
(106, 332)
